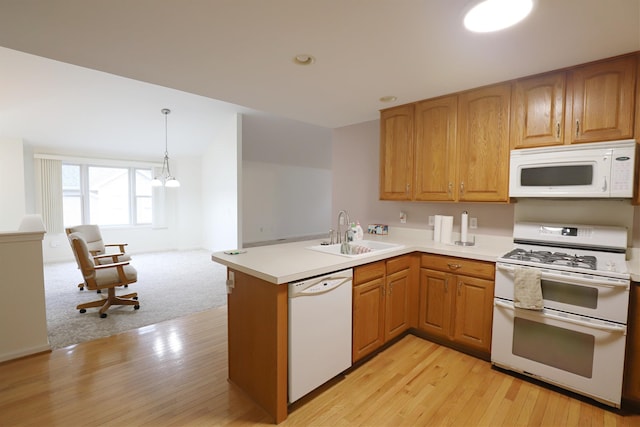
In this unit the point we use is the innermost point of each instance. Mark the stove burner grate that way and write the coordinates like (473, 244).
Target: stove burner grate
(553, 258)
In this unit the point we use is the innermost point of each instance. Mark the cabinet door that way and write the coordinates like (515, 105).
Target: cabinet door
(603, 98)
(436, 157)
(368, 317)
(538, 111)
(473, 312)
(483, 144)
(435, 302)
(397, 304)
(396, 153)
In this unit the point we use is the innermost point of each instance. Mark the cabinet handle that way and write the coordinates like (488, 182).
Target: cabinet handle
(407, 188)
(459, 287)
(558, 130)
(453, 266)
(450, 190)
(577, 128)
(446, 285)
(382, 289)
(390, 289)
(461, 188)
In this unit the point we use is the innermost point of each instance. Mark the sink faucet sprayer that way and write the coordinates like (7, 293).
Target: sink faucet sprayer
(344, 215)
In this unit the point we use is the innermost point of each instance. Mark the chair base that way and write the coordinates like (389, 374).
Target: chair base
(111, 299)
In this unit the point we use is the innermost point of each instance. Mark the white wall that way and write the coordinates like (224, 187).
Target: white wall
(220, 188)
(282, 201)
(12, 184)
(286, 179)
(23, 320)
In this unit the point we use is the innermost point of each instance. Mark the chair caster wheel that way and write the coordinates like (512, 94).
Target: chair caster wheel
(82, 289)
(136, 307)
(98, 291)
(103, 315)
(135, 298)
(83, 310)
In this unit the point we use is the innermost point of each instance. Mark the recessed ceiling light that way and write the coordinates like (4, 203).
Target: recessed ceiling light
(389, 98)
(494, 15)
(304, 59)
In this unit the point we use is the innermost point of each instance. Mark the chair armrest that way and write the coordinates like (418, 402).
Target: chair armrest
(115, 264)
(108, 255)
(120, 245)
(114, 257)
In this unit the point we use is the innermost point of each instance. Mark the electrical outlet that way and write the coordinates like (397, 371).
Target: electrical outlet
(473, 222)
(432, 220)
(403, 218)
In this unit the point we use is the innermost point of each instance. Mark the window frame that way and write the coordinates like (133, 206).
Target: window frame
(85, 200)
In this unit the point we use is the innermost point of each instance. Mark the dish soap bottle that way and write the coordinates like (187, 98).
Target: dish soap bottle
(359, 232)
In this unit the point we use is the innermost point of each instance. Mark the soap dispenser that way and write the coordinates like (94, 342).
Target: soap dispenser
(359, 232)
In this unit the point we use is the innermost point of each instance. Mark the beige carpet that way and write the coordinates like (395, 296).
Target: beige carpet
(170, 285)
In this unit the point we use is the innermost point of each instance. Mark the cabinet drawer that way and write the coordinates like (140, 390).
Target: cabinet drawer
(398, 264)
(368, 272)
(462, 266)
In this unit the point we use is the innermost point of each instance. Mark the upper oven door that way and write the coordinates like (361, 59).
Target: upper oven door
(583, 173)
(584, 294)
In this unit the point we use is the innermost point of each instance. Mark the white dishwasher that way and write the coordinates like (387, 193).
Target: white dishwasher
(319, 331)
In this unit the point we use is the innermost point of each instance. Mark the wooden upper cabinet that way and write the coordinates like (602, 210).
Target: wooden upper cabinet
(436, 156)
(483, 144)
(538, 111)
(396, 153)
(603, 100)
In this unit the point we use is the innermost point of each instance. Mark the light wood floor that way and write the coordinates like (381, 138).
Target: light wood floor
(175, 373)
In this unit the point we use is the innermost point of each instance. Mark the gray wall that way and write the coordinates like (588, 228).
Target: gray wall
(286, 179)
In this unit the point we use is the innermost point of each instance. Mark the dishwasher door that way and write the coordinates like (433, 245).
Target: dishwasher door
(320, 324)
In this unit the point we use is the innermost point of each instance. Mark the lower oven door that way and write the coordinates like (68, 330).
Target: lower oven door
(577, 353)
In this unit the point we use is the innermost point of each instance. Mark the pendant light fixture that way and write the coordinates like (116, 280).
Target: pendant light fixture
(165, 177)
(494, 15)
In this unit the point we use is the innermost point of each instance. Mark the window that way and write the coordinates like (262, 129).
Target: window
(106, 195)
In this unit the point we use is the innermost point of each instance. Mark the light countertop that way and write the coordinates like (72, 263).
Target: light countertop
(287, 262)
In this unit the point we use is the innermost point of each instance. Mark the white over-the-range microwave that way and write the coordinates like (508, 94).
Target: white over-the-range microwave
(595, 170)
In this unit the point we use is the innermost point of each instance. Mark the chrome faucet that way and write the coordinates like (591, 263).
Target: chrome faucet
(345, 217)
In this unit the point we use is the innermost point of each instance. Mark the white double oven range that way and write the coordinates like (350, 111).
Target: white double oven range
(577, 340)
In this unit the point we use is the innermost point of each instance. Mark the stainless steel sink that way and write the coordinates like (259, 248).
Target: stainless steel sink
(364, 247)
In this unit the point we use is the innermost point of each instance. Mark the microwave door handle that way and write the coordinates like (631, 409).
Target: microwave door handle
(604, 184)
(609, 328)
(568, 279)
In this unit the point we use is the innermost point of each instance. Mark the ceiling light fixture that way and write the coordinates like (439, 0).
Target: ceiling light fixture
(494, 15)
(389, 98)
(304, 59)
(165, 177)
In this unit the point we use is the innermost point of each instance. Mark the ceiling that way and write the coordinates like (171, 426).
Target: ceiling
(210, 58)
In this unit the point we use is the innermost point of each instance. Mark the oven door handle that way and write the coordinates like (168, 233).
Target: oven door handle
(608, 328)
(570, 279)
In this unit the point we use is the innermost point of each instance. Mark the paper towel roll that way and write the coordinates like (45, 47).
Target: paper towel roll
(464, 226)
(447, 230)
(437, 228)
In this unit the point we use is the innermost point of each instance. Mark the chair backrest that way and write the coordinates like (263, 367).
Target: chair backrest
(82, 255)
(91, 235)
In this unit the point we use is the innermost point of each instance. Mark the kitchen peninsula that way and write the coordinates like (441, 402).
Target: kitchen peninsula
(258, 301)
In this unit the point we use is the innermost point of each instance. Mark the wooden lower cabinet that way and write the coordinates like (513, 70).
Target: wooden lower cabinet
(381, 295)
(456, 302)
(368, 317)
